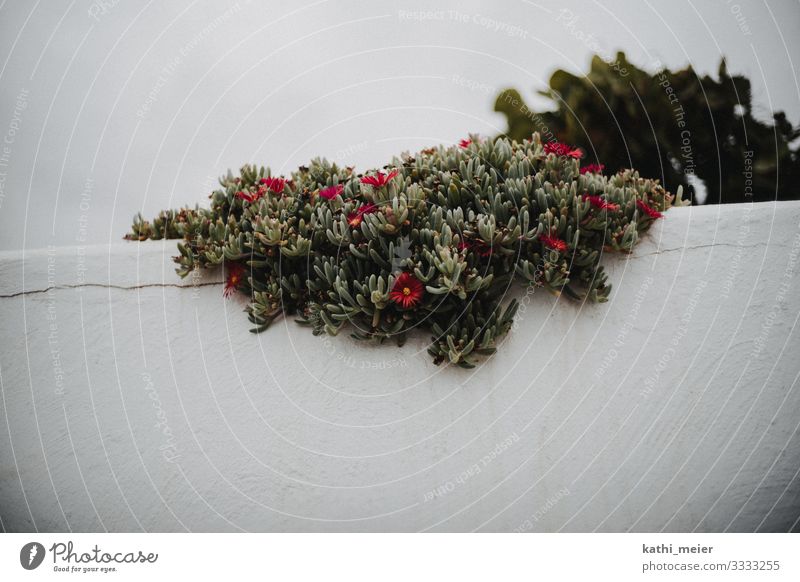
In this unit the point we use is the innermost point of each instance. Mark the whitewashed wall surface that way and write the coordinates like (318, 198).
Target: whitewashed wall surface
(134, 400)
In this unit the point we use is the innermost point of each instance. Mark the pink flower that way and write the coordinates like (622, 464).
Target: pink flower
(464, 143)
(379, 179)
(554, 243)
(331, 192)
(651, 212)
(593, 169)
(274, 184)
(600, 202)
(562, 149)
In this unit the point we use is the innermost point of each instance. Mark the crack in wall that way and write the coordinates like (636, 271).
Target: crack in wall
(178, 286)
(708, 246)
(108, 286)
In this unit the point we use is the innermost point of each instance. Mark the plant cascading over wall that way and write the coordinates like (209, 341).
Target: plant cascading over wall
(434, 240)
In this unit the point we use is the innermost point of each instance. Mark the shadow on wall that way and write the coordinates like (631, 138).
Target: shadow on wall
(690, 130)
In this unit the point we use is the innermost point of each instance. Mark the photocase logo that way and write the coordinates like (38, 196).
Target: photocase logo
(31, 555)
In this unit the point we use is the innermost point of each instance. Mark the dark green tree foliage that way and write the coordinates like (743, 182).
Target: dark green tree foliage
(435, 243)
(670, 124)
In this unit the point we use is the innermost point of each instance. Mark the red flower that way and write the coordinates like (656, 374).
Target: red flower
(407, 291)
(562, 149)
(354, 219)
(247, 195)
(478, 246)
(593, 169)
(464, 143)
(554, 243)
(274, 184)
(367, 209)
(379, 179)
(235, 277)
(331, 192)
(600, 202)
(652, 213)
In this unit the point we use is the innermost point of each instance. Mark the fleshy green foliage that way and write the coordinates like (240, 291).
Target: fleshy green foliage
(464, 221)
(668, 125)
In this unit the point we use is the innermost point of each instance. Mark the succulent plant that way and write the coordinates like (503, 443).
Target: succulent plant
(434, 241)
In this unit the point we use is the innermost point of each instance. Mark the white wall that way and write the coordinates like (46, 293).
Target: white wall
(134, 400)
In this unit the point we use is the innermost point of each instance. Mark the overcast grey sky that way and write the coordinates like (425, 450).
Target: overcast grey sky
(110, 107)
